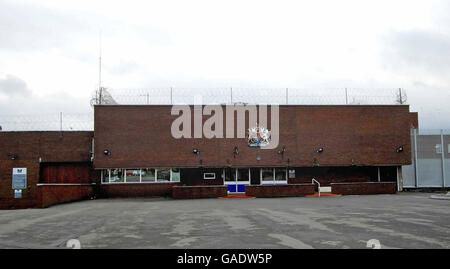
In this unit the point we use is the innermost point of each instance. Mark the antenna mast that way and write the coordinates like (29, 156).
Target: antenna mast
(100, 69)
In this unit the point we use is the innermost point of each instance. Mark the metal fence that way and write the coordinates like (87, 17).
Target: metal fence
(430, 160)
(48, 122)
(290, 96)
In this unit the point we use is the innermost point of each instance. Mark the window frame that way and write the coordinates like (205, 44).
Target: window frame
(273, 181)
(140, 176)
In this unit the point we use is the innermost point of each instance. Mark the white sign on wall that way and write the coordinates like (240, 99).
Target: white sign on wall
(19, 178)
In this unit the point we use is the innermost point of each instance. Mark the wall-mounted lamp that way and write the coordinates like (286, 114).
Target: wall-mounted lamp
(282, 151)
(319, 150)
(106, 152)
(13, 157)
(196, 151)
(399, 149)
(235, 151)
(258, 158)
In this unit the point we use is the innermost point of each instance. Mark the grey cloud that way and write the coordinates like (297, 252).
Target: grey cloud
(33, 27)
(123, 67)
(14, 86)
(27, 27)
(427, 51)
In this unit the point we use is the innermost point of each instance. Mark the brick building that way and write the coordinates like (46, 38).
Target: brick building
(352, 148)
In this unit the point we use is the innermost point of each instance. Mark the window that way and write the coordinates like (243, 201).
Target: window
(209, 175)
(133, 175)
(163, 175)
(105, 175)
(117, 175)
(267, 174)
(280, 174)
(273, 175)
(230, 174)
(175, 175)
(145, 175)
(148, 175)
(243, 174)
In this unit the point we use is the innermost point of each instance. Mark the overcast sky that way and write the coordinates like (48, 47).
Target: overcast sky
(49, 49)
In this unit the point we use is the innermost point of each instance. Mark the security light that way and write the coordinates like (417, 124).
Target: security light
(399, 149)
(13, 157)
(106, 152)
(196, 151)
(282, 150)
(319, 150)
(235, 151)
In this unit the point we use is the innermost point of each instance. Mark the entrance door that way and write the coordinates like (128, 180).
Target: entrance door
(236, 179)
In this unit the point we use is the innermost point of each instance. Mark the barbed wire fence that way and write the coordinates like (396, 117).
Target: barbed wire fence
(167, 96)
(282, 96)
(48, 122)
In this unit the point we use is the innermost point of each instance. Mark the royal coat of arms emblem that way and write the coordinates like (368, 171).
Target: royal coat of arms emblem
(258, 136)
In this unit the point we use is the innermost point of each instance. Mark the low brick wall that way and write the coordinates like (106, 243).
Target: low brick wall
(136, 189)
(193, 192)
(56, 194)
(287, 190)
(364, 188)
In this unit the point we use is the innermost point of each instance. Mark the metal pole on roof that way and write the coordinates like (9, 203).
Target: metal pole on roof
(231, 94)
(100, 67)
(443, 158)
(416, 165)
(287, 96)
(346, 96)
(60, 123)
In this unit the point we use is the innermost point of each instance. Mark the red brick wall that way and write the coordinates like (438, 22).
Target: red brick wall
(29, 195)
(364, 188)
(193, 192)
(288, 190)
(326, 175)
(49, 146)
(56, 194)
(140, 136)
(29, 147)
(136, 189)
